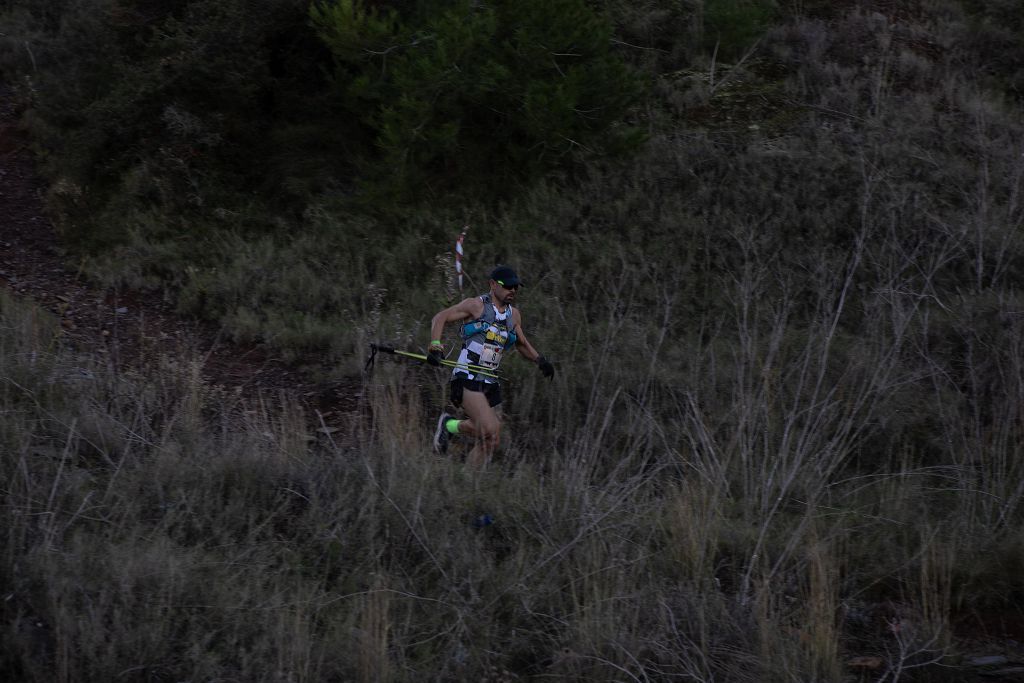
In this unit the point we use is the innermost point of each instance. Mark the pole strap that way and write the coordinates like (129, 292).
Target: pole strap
(371, 360)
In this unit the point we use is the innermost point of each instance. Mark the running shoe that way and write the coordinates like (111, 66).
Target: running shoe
(441, 435)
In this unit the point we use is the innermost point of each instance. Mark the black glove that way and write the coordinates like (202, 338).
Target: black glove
(434, 356)
(546, 368)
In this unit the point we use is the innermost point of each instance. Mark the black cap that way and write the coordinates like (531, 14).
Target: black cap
(505, 276)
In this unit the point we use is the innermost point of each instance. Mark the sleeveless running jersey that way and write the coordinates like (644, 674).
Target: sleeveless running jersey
(484, 340)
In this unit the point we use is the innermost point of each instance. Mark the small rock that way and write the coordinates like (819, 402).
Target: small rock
(990, 660)
(870, 663)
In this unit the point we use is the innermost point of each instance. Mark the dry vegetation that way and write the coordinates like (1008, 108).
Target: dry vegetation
(785, 435)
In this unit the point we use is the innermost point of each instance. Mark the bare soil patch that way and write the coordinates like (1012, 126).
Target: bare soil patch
(128, 327)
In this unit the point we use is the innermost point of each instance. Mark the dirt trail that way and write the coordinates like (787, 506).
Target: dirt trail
(126, 326)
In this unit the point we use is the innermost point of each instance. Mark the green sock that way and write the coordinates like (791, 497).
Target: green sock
(452, 426)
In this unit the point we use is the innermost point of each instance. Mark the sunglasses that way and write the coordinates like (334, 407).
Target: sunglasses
(510, 288)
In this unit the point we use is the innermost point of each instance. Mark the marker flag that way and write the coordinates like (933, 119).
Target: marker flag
(459, 254)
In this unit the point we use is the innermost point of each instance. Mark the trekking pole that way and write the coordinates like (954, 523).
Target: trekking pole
(477, 369)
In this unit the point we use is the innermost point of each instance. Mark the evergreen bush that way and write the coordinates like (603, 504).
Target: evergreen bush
(733, 26)
(458, 92)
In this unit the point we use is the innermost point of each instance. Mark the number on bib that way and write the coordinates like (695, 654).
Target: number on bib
(490, 356)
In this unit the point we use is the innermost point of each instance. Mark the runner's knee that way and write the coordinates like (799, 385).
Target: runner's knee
(490, 430)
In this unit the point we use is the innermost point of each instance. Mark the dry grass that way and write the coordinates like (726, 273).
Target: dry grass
(785, 431)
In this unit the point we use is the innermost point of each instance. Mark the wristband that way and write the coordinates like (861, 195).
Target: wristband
(435, 342)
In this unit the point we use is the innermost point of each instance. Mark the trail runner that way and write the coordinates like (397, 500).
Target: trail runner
(491, 326)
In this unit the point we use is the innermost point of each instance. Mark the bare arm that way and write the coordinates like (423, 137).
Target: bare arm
(467, 309)
(523, 344)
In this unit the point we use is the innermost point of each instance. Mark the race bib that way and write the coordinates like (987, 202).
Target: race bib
(490, 355)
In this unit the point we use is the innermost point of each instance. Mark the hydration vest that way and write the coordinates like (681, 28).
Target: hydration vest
(485, 339)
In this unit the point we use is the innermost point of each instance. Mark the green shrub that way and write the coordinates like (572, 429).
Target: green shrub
(733, 26)
(480, 94)
(185, 109)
